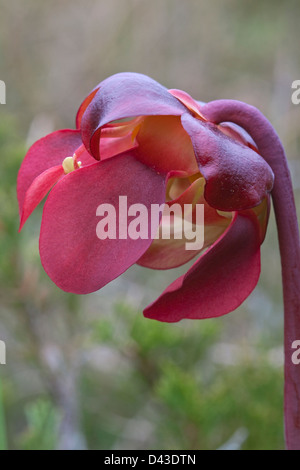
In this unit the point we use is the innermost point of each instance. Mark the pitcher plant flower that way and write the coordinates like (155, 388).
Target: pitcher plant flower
(136, 138)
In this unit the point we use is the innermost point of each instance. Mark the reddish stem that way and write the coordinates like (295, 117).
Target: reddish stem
(270, 147)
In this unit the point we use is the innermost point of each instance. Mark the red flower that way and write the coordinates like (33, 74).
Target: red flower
(165, 151)
(176, 150)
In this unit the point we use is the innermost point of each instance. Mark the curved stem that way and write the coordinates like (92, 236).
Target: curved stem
(271, 149)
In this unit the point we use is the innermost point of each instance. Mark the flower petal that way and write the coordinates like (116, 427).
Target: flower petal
(109, 147)
(237, 178)
(262, 212)
(188, 101)
(172, 252)
(237, 133)
(84, 105)
(125, 95)
(230, 128)
(164, 145)
(45, 153)
(118, 138)
(71, 253)
(38, 190)
(219, 281)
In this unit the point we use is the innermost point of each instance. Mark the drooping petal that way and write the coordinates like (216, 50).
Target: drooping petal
(237, 178)
(171, 252)
(48, 152)
(219, 281)
(125, 95)
(38, 190)
(164, 145)
(71, 252)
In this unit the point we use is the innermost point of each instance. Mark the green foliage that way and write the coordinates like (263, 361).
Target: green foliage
(169, 377)
(42, 426)
(12, 150)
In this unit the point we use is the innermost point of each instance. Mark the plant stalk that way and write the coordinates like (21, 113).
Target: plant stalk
(271, 149)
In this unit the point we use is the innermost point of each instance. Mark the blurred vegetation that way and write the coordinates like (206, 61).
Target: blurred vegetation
(91, 372)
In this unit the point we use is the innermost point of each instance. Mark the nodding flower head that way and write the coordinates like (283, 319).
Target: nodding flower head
(135, 138)
(154, 147)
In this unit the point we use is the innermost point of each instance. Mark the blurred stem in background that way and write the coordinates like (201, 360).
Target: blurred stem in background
(3, 440)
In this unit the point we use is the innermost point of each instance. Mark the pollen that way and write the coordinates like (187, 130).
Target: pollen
(70, 164)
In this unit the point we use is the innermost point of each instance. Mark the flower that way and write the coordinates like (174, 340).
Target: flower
(170, 149)
(166, 151)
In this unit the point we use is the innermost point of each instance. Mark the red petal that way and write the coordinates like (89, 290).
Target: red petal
(188, 101)
(84, 105)
(171, 253)
(237, 177)
(262, 212)
(164, 145)
(125, 95)
(44, 154)
(38, 190)
(118, 138)
(219, 281)
(237, 133)
(232, 130)
(71, 253)
(111, 147)
(120, 129)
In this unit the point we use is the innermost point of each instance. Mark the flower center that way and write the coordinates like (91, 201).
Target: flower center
(70, 164)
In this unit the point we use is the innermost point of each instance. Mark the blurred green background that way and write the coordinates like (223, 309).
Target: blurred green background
(91, 372)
